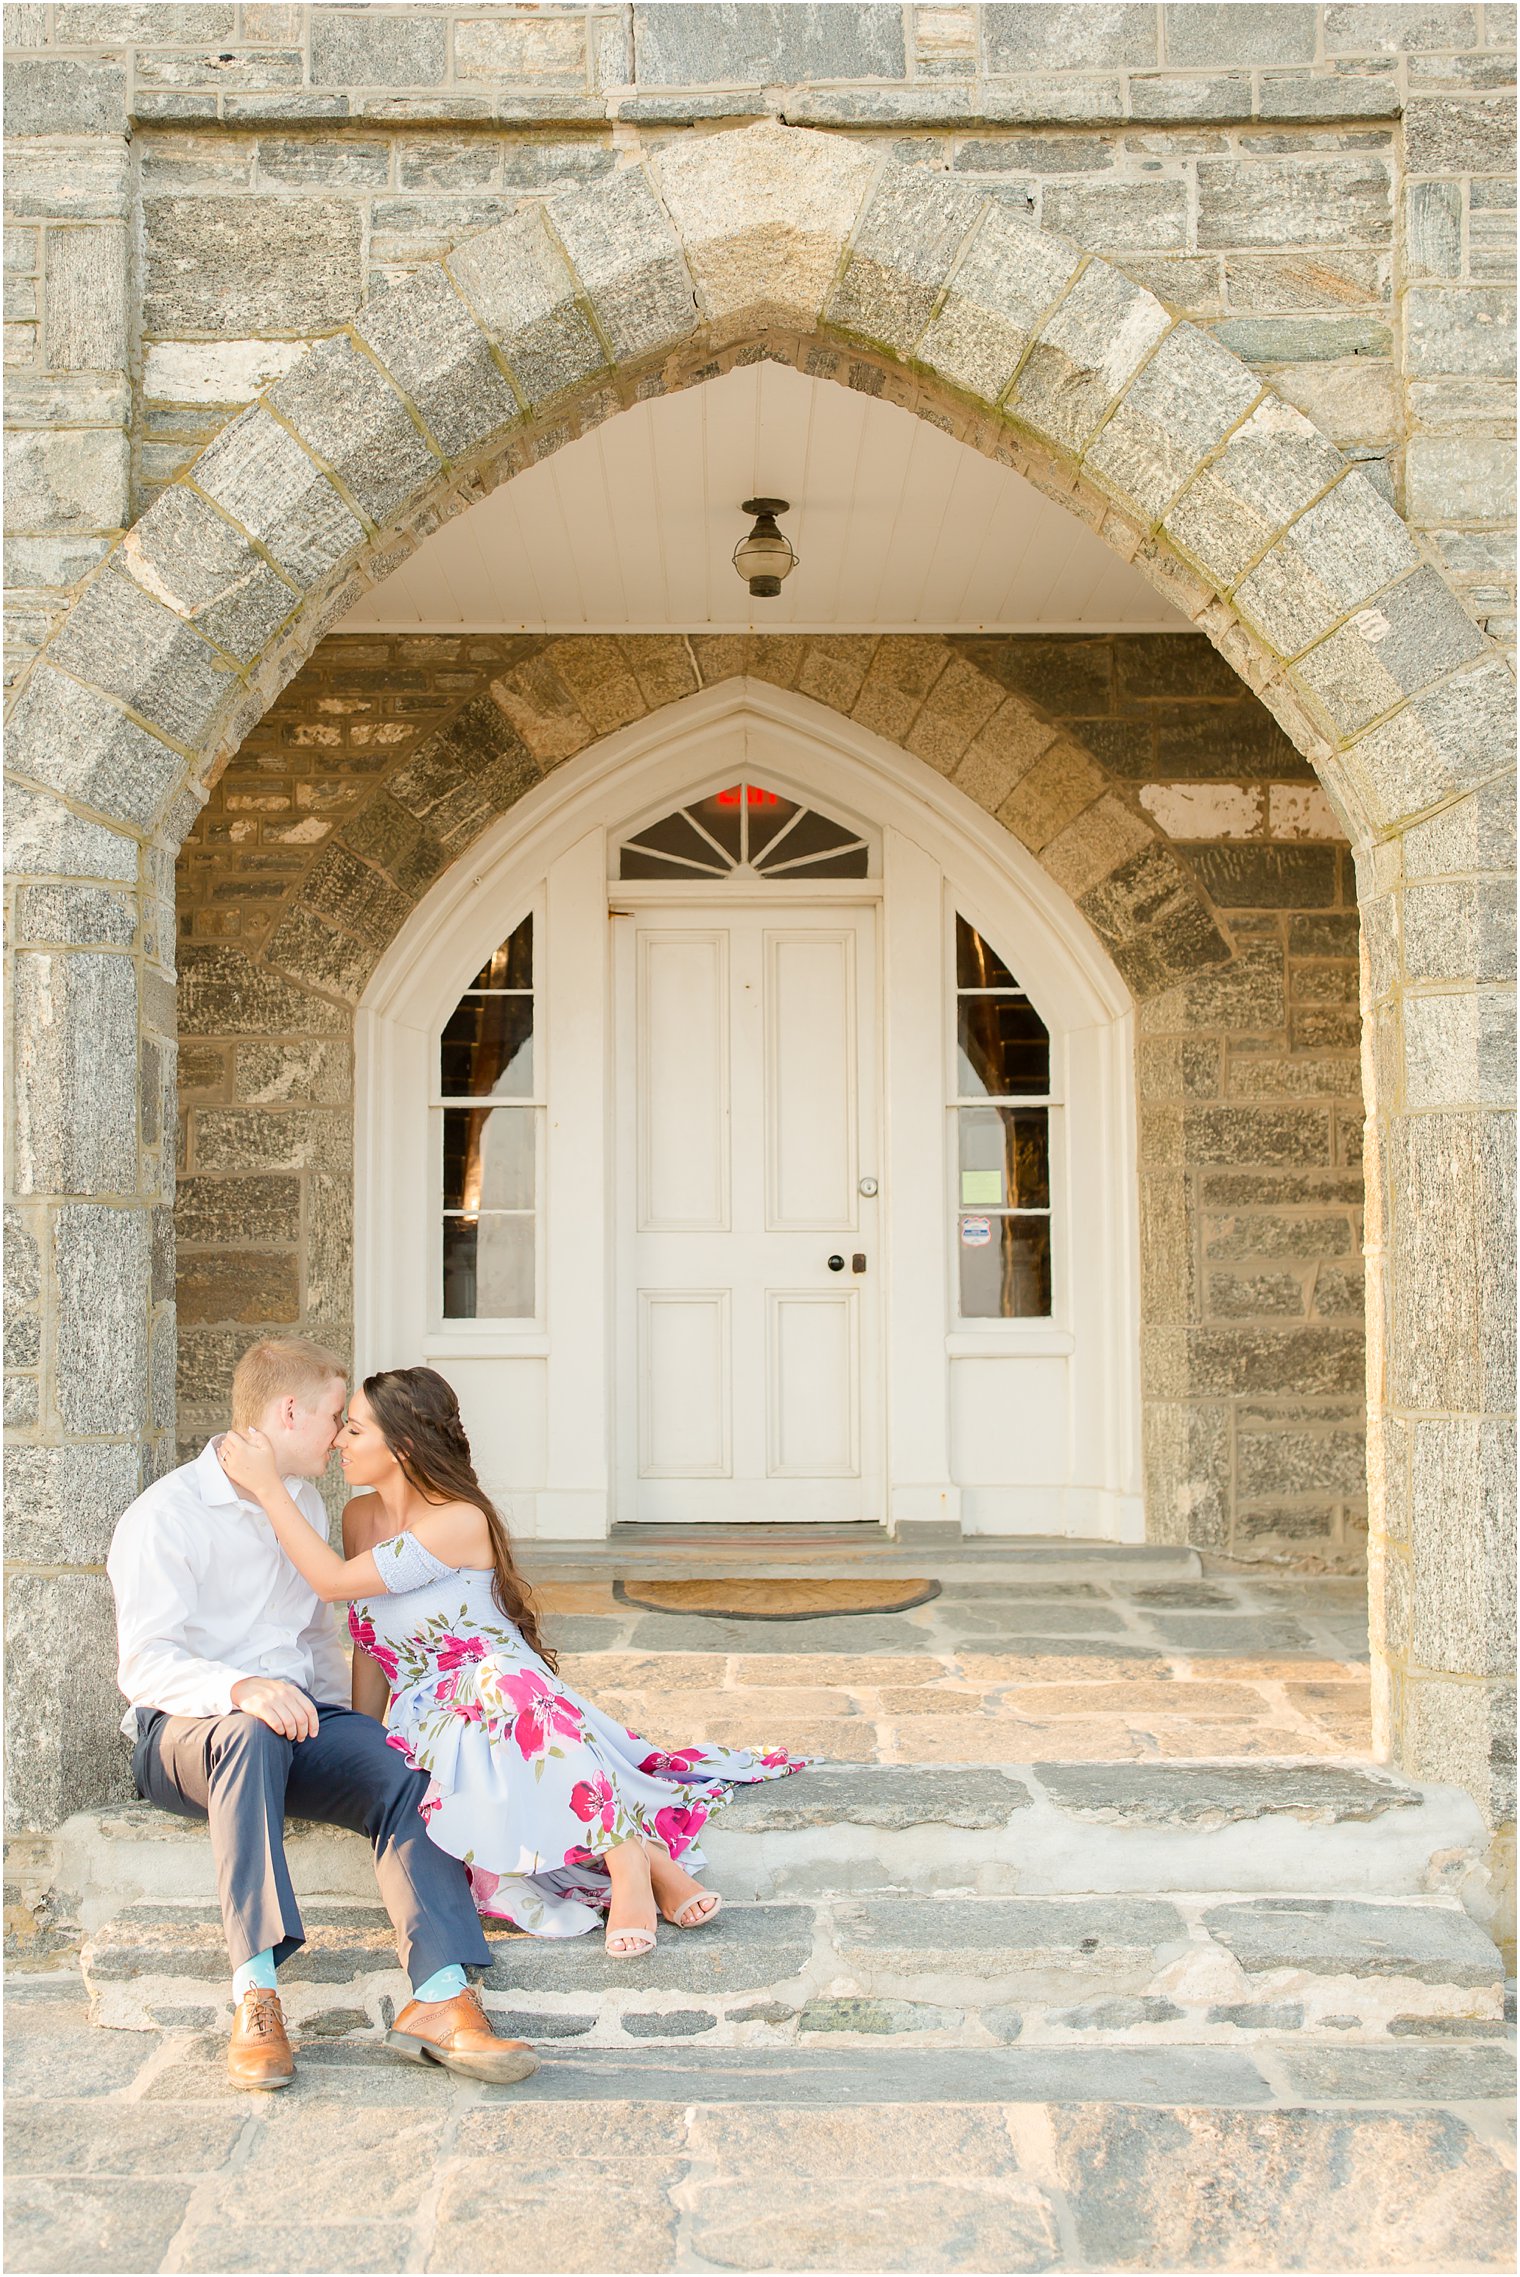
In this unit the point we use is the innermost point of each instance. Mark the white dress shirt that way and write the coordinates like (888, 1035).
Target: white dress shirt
(205, 1596)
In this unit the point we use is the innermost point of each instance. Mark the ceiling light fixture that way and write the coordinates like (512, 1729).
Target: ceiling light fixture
(763, 557)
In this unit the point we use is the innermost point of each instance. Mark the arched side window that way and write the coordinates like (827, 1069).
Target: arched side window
(1001, 1110)
(745, 830)
(489, 1105)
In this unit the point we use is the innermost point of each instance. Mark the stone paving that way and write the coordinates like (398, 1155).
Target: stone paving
(997, 1671)
(129, 2151)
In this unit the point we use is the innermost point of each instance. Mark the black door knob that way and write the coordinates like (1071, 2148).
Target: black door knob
(836, 1264)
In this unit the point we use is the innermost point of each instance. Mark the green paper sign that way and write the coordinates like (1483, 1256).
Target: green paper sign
(981, 1189)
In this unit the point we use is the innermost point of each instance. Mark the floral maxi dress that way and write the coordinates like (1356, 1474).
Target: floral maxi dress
(528, 1783)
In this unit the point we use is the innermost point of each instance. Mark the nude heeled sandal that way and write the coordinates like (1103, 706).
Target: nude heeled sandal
(678, 1919)
(643, 1941)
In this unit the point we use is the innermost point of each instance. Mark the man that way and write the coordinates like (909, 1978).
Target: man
(239, 1711)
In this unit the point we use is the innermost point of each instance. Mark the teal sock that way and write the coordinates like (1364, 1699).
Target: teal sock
(259, 1970)
(443, 1984)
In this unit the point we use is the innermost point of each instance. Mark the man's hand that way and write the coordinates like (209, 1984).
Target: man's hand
(248, 1460)
(284, 1707)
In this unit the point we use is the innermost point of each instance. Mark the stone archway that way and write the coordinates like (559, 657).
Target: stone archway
(788, 243)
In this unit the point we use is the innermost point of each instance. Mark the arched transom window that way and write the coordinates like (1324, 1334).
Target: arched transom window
(745, 830)
(1001, 1109)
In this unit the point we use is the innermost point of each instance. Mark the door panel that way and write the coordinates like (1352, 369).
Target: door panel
(684, 1381)
(748, 1058)
(810, 1075)
(812, 1404)
(683, 1080)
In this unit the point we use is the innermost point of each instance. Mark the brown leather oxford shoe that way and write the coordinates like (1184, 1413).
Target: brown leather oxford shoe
(258, 2054)
(457, 2034)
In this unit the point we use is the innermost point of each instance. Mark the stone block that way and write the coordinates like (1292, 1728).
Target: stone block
(1433, 229)
(186, 555)
(1043, 38)
(1462, 1552)
(440, 360)
(75, 1072)
(1153, 920)
(629, 262)
(880, 2018)
(100, 1273)
(1118, 216)
(1464, 1732)
(1085, 354)
(66, 480)
(1394, 27)
(1437, 1945)
(259, 475)
(1463, 330)
(763, 215)
(1269, 471)
(339, 404)
(86, 318)
(69, 738)
(1401, 2183)
(222, 993)
(1010, 277)
(121, 639)
(1254, 1296)
(1460, 134)
(1251, 876)
(43, 838)
(62, 1503)
(684, 46)
(1273, 34)
(1342, 551)
(299, 1139)
(232, 266)
(542, 52)
(1409, 638)
(64, 96)
(516, 281)
(1115, 1939)
(1306, 339)
(1294, 200)
(1456, 478)
(248, 1286)
(217, 1212)
(64, 1750)
(404, 48)
(308, 165)
(1183, 404)
(905, 245)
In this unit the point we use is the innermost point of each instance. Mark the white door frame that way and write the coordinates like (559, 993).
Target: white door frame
(550, 853)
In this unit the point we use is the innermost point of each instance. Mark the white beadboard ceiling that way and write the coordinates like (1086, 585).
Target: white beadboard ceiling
(896, 526)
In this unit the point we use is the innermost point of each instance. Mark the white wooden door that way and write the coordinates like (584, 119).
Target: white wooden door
(748, 1363)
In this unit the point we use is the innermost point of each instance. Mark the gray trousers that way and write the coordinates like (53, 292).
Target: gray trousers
(241, 1777)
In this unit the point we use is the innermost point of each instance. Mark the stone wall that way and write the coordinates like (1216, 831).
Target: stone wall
(193, 192)
(386, 757)
(1356, 627)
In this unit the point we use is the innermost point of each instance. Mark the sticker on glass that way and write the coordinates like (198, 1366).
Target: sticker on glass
(975, 1232)
(981, 1189)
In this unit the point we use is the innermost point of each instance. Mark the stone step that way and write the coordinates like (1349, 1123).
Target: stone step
(1044, 1829)
(947, 1970)
(788, 1553)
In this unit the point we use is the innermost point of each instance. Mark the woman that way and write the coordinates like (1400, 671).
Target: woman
(558, 1812)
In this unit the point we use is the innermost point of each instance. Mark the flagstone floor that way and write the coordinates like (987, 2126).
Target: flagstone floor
(995, 1672)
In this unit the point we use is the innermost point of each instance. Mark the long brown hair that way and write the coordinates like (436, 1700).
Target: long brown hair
(420, 1422)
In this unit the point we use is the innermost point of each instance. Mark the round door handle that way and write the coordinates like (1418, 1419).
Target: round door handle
(836, 1264)
(869, 1188)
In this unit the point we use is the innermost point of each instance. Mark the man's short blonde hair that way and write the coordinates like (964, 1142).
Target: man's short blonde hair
(281, 1367)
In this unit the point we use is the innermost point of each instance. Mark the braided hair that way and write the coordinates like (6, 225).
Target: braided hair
(420, 1422)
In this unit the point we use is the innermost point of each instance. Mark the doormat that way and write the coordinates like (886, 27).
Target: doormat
(753, 1599)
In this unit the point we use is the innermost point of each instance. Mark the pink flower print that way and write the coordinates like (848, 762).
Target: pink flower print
(542, 1714)
(431, 1801)
(579, 1855)
(678, 1825)
(397, 1740)
(594, 1799)
(483, 1886)
(457, 1650)
(363, 1634)
(776, 1759)
(677, 1765)
(445, 1688)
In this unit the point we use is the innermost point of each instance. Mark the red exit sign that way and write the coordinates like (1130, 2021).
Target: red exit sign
(747, 794)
